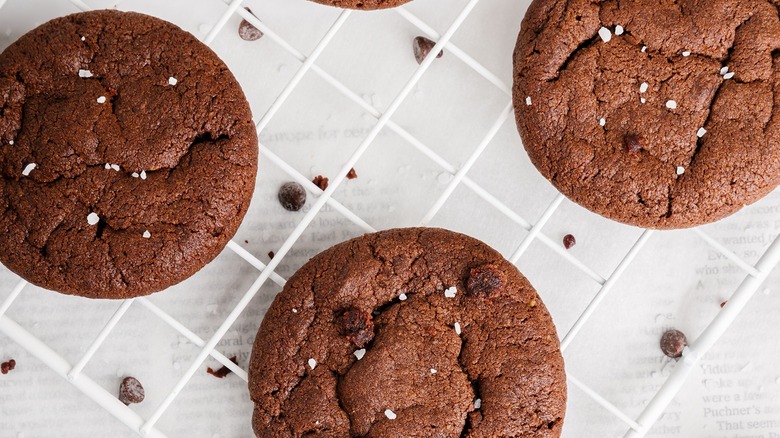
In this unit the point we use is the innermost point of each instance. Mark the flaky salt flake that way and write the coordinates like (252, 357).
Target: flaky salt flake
(115, 167)
(671, 104)
(294, 310)
(108, 166)
(29, 168)
(172, 81)
(312, 364)
(700, 133)
(134, 174)
(643, 88)
(644, 49)
(390, 414)
(101, 99)
(686, 53)
(433, 371)
(619, 30)
(147, 234)
(457, 327)
(602, 121)
(728, 75)
(143, 174)
(724, 70)
(402, 297)
(83, 38)
(477, 403)
(85, 73)
(643, 100)
(450, 292)
(360, 353)
(93, 218)
(605, 34)
(528, 100)
(680, 170)
(11, 142)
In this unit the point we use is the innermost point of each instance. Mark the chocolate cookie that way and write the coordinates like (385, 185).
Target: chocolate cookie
(658, 115)
(363, 4)
(127, 155)
(407, 332)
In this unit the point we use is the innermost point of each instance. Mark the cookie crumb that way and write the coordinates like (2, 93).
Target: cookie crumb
(29, 168)
(352, 174)
(271, 254)
(247, 31)
(321, 182)
(147, 234)
(7, 366)
(673, 342)
(357, 326)
(451, 292)
(484, 280)
(605, 34)
(360, 353)
(569, 241)
(131, 391)
(723, 304)
(390, 414)
(101, 99)
(312, 364)
(292, 196)
(93, 218)
(85, 73)
(422, 47)
(632, 143)
(223, 371)
(172, 81)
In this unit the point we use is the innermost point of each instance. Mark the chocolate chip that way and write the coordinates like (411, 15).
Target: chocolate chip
(351, 174)
(224, 371)
(357, 326)
(271, 254)
(673, 342)
(7, 366)
(484, 281)
(292, 196)
(632, 143)
(569, 241)
(321, 182)
(422, 47)
(247, 31)
(131, 391)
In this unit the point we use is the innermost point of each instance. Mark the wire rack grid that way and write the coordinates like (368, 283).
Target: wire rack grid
(754, 274)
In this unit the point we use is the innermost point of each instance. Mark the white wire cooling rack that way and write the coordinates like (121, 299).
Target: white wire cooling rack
(463, 176)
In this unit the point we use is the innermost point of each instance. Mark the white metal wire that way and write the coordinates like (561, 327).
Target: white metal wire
(719, 325)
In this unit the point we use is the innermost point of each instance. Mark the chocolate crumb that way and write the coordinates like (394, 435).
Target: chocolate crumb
(357, 326)
(632, 143)
(351, 174)
(224, 371)
(569, 241)
(422, 47)
(723, 304)
(292, 196)
(271, 254)
(7, 366)
(246, 241)
(321, 182)
(131, 391)
(673, 342)
(247, 31)
(484, 280)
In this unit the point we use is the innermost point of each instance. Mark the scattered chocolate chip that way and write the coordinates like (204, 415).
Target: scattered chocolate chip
(357, 326)
(351, 174)
(224, 371)
(7, 366)
(484, 280)
(247, 31)
(422, 47)
(673, 342)
(321, 182)
(271, 254)
(131, 391)
(723, 304)
(632, 143)
(292, 196)
(569, 241)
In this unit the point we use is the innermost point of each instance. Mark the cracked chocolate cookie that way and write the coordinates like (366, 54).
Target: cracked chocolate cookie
(363, 4)
(127, 155)
(662, 115)
(408, 333)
